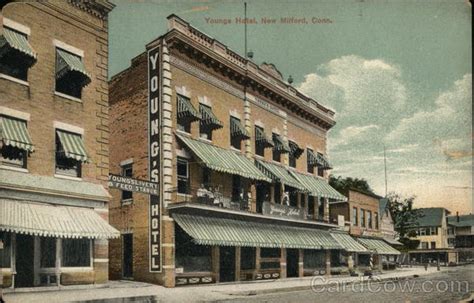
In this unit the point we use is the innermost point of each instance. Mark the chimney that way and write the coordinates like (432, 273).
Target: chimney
(457, 216)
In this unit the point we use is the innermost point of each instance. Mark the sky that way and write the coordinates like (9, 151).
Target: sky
(397, 73)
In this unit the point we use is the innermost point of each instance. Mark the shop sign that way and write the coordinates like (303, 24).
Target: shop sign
(281, 210)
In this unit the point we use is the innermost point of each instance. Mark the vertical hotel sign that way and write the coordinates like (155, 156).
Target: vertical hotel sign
(154, 154)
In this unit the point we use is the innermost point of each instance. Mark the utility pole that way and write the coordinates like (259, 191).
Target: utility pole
(385, 165)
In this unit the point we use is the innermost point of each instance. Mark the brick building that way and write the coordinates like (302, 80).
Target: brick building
(54, 143)
(240, 158)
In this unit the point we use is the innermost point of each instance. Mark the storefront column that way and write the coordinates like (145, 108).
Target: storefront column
(58, 261)
(13, 260)
(350, 262)
(215, 262)
(237, 263)
(283, 263)
(328, 262)
(326, 210)
(379, 262)
(316, 208)
(282, 190)
(298, 200)
(257, 260)
(301, 263)
(253, 195)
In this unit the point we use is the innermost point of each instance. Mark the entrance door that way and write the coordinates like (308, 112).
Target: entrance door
(25, 251)
(226, 264)
(292, 259)
(127, 256)
(262, 195)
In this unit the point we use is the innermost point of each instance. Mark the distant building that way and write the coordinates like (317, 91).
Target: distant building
(387, 227)
(461, 236)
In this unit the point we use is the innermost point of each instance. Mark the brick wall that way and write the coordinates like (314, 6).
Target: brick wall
(368, 203)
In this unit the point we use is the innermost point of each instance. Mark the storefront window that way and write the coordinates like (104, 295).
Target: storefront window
(354, 216)
(189, 256)
(269, 252)
(5, 253)
(48, 252)
(76, 253)
(247, 258)
(314, 258)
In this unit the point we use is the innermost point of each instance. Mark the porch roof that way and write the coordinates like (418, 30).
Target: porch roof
(379, 246)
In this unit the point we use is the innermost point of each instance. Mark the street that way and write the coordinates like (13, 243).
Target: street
(449, 286)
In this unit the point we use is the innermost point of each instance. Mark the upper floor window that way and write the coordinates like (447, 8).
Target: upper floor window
(70, 153)
(208, 122)
(183, 176)
(262, 141)
(186, 113)
(16, 142)
(362, 217)
(311, 160)
(376, 220)
(71, 75)
(279, 147)
(16, 54)
(369, 219)
(295, 153)
(354, 216)
(206, 176)
(237, 133)
(237, 191)
(127, 171)
(321, 209)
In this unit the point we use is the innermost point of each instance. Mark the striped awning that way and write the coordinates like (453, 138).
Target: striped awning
(317, 187)
(379, 246)
(347, 242)
(72, 146)
(223, 160)
(262, 138)
(14, 133)
(233, 232)
(280, 145)
(186, 109)
(67, 63)
(208, 118)
(296, 151)
(311, 158)
(392, 241)
(15, 40)
(48, 220)
(279, 174)
(237, 129)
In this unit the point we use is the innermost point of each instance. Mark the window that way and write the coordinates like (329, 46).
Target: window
(309, 162)
(186, 114)
(321, 209)
(48, 252)
(314, 258)
(277, 192)
(276, 155)
(369, 219)
(71, 75)
(450, 231)
(362, 217)
(320, 171)
(424, 245)
(16, 142)
(5, 253)
(451, 242)
(66, 164)
(354, 216)
(15, 60)
(293, 195)
(13, 156)
(433, 231)
(237, 133)
(269, 252)
(76, 252)
(206, 176)
(433, 245)
(191, 257)
(183, 176)
(236, 187)
(422, 231)
(311, 206)
(259, 145)
(127, 171)
(205, 129)
(247, 258)
(376, 219)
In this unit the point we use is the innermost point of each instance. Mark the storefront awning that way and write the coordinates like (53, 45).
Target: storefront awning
(347, 242)
(186, 109)
(15, 40)
(318, 187)
(47, 220)
(379, 246)
(73, 146)
(262, 138)
(14, 133)
(392, 241)
(223, 160)
(280, 145)
(237, 129)
(69, 63)
(208, 118)
(231, 232)
(278, 173)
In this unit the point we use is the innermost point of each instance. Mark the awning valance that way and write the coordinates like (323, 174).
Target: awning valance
(279, 173)
(232, 232)
(279, 144)
(223, 160)
(67, 63)
(379, 246)
(317, 187)
(237, 129)
(262, 138)
(186, 109)
(15, 40)
(48, 220)
(296, 151)
(72, 146)
(347, 242)
(14, 133)
(208, 118)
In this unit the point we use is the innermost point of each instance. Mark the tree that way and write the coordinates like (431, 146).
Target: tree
(403, 215)
(342, 185)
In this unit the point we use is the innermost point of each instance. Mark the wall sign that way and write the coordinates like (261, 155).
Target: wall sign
(154, 156)
(131, 184)
(281, 210)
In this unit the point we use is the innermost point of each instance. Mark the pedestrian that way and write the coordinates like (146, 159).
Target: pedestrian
(426, 266)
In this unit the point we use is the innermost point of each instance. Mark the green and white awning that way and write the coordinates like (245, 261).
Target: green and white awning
(208, 118)
(280, 145)
(186, 110)
(262, 138)
(279, 174)
(14, 133)
(379, 246)
(67, 63)
(72, 146)
(323, 162)
(347, 242)
(233, 232)
(311, 158)
(317, 187)
(223, 160)
(296, 151)
(237, 129)
(15, 40)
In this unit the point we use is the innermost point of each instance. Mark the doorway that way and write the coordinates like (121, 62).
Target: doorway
(127, 262)
(292, 260)
(226, 264)
(25, 251)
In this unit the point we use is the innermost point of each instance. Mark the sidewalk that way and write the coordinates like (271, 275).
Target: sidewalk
(116, 290)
